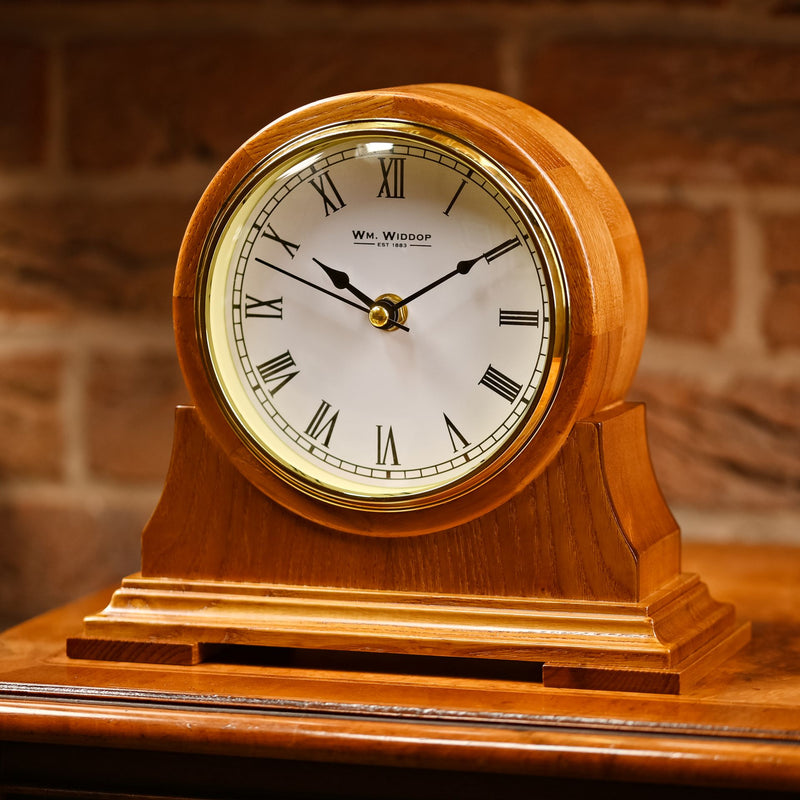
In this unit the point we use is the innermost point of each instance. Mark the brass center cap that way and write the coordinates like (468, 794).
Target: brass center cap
(379, 316)
(383, 314)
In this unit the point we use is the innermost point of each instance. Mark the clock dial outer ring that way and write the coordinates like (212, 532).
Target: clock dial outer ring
(591, 229)
(552, 348)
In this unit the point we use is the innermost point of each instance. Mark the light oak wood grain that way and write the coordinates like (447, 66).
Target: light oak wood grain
(562, 574)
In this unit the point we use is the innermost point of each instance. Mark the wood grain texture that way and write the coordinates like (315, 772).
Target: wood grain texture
(571, 535)
(738, 727)
(561, 574)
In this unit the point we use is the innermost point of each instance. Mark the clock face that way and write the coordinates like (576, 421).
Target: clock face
(382, 314)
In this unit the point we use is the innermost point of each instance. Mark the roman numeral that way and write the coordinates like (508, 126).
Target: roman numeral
(392, 172)
(519, 317)
(501, 249)
(288, 246)
(328, 192)
(322, 423)
(268, 309)
(455, 197)
(277, 371)
(384, 447)
(454, 434)
(500, 384)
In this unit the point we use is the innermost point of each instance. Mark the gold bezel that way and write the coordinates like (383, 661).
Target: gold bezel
(307, 146)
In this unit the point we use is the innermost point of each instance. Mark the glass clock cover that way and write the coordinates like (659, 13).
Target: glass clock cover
(382, 313)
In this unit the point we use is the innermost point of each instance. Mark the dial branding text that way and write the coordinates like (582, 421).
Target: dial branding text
(408, 237)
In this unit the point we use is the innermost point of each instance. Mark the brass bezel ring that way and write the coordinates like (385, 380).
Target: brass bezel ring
(306, 146)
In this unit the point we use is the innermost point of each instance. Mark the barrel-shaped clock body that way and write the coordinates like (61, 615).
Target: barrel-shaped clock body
(392, 307)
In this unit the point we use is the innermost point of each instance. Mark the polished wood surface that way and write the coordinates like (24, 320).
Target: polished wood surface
(232, 566)
(738, 727)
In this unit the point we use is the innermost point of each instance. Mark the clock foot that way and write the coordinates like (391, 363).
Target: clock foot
(669, 681)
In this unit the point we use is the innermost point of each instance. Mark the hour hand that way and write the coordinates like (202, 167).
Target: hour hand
(381, 311)
(341, 281)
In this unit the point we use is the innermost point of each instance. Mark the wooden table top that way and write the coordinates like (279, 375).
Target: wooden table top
(738, 727)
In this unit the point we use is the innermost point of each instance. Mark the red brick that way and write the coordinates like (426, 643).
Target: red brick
(131, 403)
(100, 256)
(782, 241)
(782, 315)
(23, 103)
(737, 447)
(31, 431)
(166, 100)
(52, 552)
(675, 110)
(689, 269)
(782, 307)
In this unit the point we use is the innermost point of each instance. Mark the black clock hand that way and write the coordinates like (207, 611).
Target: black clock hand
(322, 289)
(341, 281)
(312, 285)
(462, 268)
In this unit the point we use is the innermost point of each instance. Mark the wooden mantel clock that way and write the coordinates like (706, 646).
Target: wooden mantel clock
(408, 320)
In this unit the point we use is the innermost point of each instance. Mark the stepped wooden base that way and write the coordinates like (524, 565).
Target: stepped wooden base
(658, 646)
(579, 573)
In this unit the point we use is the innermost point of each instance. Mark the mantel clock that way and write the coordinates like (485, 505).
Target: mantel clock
(408, 320)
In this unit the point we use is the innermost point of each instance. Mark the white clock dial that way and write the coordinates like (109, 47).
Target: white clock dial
(379, 313)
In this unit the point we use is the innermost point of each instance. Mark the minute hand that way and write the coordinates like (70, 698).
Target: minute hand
(313, 285)
(322, 289)
(462, 268)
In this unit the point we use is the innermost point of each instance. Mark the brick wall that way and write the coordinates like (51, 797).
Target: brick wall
(114, 116)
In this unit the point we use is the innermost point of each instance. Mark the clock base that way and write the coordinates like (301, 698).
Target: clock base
(654, 646)
(580, 572)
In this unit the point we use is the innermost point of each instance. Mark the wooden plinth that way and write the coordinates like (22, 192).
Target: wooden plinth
(649, 647)
(579, 572)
